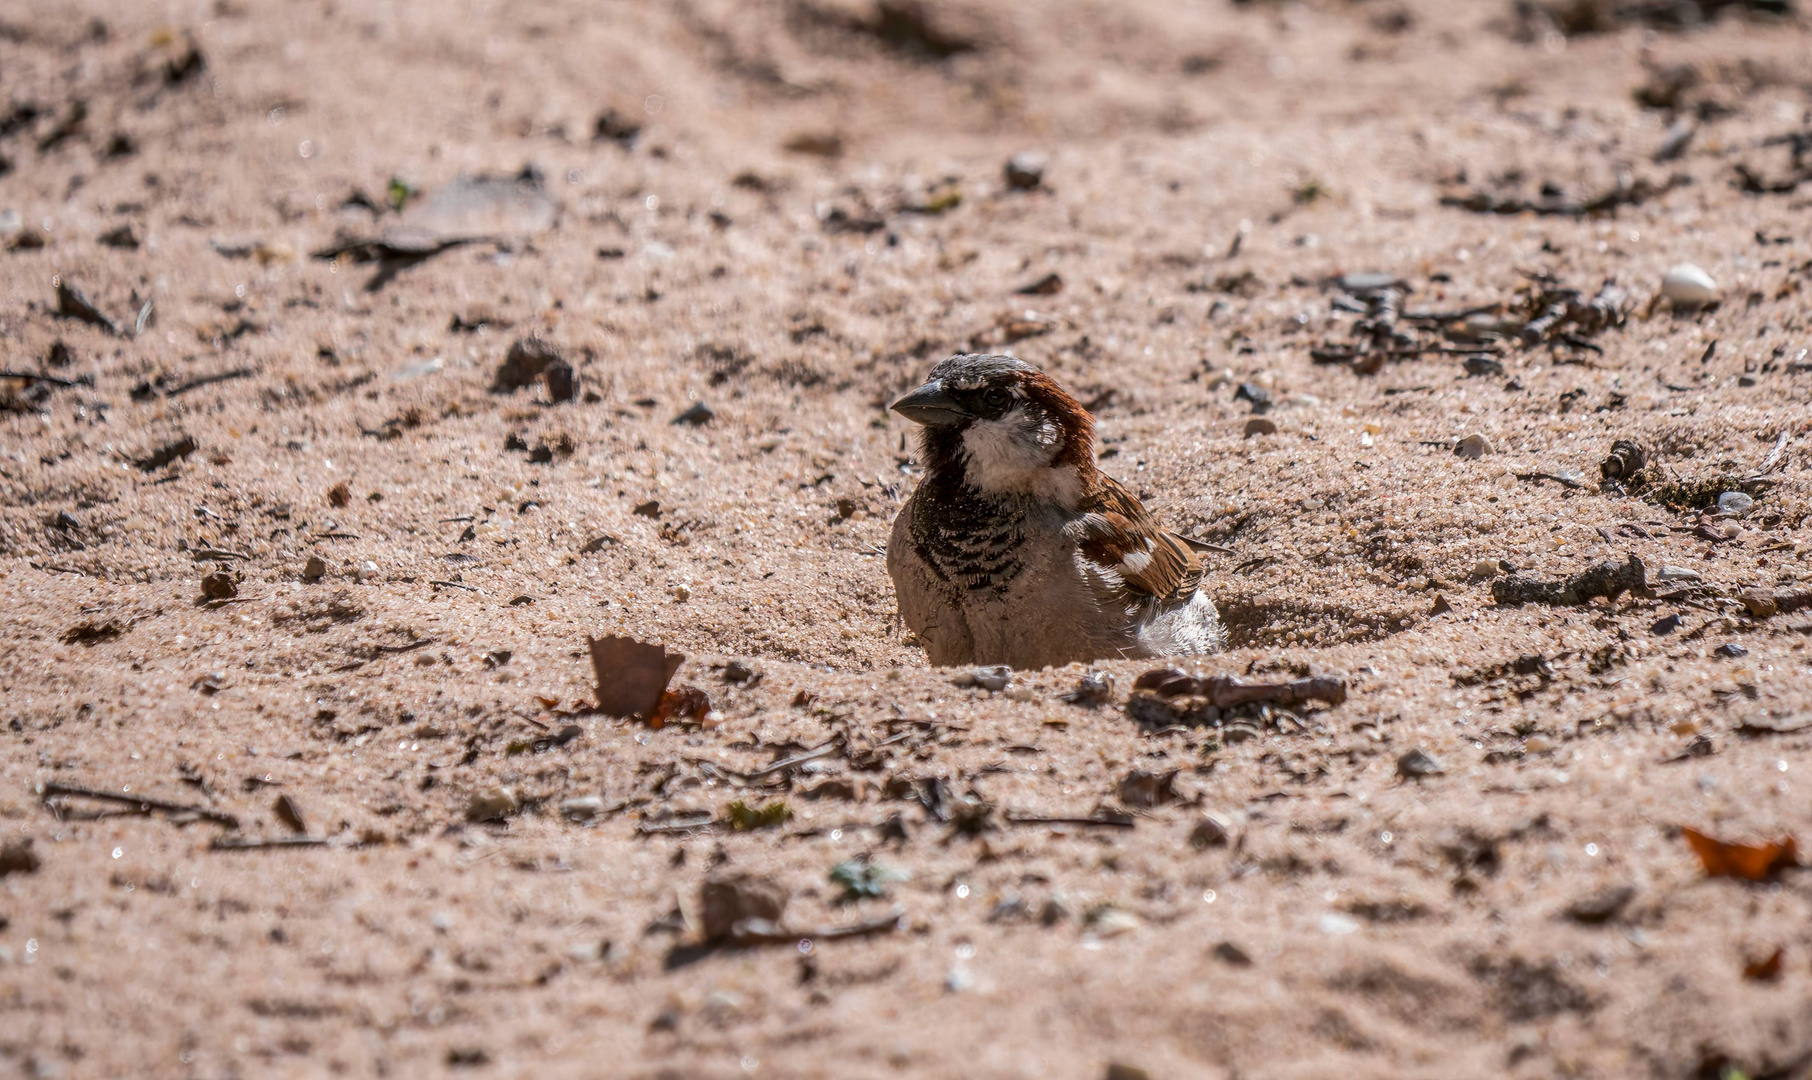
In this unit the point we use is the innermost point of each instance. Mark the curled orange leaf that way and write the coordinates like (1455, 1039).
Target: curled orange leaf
(1750, 862)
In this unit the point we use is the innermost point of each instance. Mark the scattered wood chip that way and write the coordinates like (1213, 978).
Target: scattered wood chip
(166, 454)
(289, 813)
(73, 303)
(1766, 969)
(1749, 862)
(1607, 579)
(632, 676)
(19, 858)
(1166, 696)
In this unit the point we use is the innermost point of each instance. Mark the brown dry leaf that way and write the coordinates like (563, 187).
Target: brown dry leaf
(1765, 970)
(688, 703)
(1750, 862)
(632, 675)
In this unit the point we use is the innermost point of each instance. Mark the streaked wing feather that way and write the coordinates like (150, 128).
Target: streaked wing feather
(1119, 535)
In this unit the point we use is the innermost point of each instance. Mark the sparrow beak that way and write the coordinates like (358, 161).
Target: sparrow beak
(930, 406)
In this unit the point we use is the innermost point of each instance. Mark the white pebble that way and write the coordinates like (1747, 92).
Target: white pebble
(1735, 503)
(1472, 447)
(1688, 285)
(1335, 924)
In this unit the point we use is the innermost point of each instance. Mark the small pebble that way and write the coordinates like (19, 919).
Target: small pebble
(1334, 924)
(1025, 171)
(992, 678)
(1483, 365)
(1666, 626)
(315, 568)
(1472, 447)
(1735, 503)
(698, 415)
(1112, 922)
(1417, 764)
(1211, 831)
(1093, 689)
(562, 381)
(219, 586)
(1677, 573)
(1688, 286)
(1485, 568)
(1761, 605)
(1537, 744)
(492, 804)
(367, 570)
(1732, 650)
(582, 807)
(1361, 284)
(1260, 425)
(1256, 394)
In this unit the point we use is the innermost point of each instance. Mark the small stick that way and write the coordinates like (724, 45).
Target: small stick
(1098, 822)
(823, 750)
(682, 825)
(411, 647)
(218, 553)
(254, 843)
(1774, 455)
(452, 585)
(763, 932)
(207, 380)
(144, 804)
(50, 379)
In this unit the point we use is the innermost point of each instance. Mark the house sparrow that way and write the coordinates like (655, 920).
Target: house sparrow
(1016, 549)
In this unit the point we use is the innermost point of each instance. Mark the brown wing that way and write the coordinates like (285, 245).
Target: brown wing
(1117, 534)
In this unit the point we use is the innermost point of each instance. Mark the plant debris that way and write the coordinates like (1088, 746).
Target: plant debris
(56, 796)
(73, 303)
(1608, 579)
(862, 879)
(1625, 462)
(1542, 312)
(1749, 862)
(395, 251)
(631, 676)
(166, 454)
(1553, 202)
(729, 904)
(743, 817)
(528, 359)
(1166, 696)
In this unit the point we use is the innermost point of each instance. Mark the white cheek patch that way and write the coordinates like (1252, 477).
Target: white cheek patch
(1013, 456)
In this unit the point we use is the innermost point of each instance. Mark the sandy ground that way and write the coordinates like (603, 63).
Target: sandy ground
(810, 211)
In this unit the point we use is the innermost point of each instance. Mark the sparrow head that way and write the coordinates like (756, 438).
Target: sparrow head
(1002, 427)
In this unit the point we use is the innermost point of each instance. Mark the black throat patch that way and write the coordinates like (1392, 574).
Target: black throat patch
(966, 537)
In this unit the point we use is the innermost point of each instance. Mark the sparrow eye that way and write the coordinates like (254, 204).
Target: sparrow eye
(996, 398)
